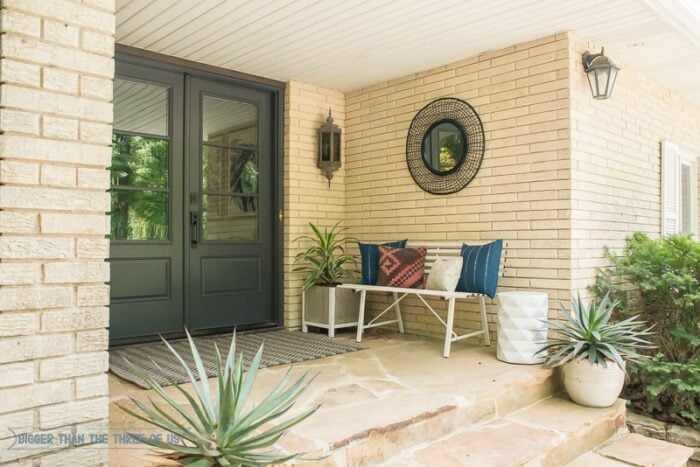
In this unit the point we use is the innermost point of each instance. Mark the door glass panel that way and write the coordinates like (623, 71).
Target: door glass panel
(139, 215)
(140, 107)
(230, 217)
(229, 123)
(140, 162)
(229, 171)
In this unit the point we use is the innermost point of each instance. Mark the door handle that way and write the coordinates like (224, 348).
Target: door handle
(194, 228)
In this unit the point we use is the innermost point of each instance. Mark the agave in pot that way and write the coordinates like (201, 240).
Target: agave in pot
(593, 350)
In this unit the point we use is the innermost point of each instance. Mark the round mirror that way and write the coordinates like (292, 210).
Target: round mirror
(444, 147)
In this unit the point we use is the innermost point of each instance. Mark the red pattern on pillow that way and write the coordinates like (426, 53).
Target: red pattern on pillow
(401, 267)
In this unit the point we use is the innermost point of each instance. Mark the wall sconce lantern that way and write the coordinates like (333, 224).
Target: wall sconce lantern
(329, 147)
(601, 72)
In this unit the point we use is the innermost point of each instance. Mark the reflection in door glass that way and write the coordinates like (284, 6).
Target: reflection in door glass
(230, 218)
(140, 162)
(229, 123)
(139, 215)
(229, 170)
(140, 107)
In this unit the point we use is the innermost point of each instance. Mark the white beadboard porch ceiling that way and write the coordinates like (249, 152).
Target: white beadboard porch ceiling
(349, 44)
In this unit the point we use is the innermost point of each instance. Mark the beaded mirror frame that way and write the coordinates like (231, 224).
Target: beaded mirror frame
(461, 114)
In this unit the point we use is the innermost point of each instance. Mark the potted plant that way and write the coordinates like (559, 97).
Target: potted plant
(592, 350)
(323, 304)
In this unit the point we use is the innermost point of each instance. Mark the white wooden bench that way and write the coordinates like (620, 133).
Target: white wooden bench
(435, 250)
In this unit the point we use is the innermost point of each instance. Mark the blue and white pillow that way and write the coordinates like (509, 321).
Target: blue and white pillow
(370, 260)
(480, 268)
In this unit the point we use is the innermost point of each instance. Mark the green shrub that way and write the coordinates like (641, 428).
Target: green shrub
(665, 390)
(660, 280)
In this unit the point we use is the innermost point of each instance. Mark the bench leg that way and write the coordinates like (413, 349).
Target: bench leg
(484, 323)
(361, 316)
(448, 328)
(397, 307)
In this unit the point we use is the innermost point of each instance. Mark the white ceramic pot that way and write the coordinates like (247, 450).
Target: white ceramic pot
(522, 327)
(593, 386)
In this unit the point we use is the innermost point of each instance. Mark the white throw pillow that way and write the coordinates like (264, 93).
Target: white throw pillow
(444, 275)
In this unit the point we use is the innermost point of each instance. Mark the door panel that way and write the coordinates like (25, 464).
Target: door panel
(231, 186)
(230, 275)
(147, 218)
(151, 282)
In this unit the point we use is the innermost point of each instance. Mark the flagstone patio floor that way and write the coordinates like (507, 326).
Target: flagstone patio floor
(396, 393)
(400, 403)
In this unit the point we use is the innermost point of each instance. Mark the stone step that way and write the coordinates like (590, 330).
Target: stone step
(651, 428)
(635, 449)
(380, 401)
(384, 428)
(551, 432)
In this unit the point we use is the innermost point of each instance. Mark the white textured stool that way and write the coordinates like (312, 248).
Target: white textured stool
(522, 326)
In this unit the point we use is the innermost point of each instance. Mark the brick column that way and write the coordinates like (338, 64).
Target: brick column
(307, 196)
(56, 121)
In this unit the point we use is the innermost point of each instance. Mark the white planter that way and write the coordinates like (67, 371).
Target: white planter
(329, 308)
(522, 327)
(593, 386)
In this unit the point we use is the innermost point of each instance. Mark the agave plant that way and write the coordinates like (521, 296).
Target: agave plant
(588, 333)
(324, 262)
(221, 429)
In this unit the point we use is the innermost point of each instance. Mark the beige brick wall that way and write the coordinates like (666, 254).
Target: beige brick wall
(56, 114)
(522, 192)
(616, 159)
(308, 198)
(563, 175)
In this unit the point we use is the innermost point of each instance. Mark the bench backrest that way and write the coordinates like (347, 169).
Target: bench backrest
(450, 249)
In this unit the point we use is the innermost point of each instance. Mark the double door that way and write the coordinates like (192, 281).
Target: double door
(192, 222)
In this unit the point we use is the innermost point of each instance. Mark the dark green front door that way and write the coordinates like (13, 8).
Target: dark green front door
(193, 230)
(229, 251)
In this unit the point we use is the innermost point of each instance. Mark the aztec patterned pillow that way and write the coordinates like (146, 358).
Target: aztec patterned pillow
(444, 274)
(401, 267)
(370, 260)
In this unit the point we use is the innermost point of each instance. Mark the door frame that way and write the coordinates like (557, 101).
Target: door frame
(145, 58)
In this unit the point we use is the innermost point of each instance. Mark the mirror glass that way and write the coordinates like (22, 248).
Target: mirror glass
(443, 147)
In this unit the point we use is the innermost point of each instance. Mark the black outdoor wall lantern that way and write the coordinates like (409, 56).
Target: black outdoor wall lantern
(601, 72)
(329, 147)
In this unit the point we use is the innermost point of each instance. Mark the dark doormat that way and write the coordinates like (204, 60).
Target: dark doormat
(281, 347)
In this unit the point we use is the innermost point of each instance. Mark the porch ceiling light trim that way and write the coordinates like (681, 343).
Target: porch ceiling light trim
(601, 73)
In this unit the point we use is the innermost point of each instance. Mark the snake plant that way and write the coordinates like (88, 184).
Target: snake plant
(221, 429)
(324, 262)
(588, 334)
